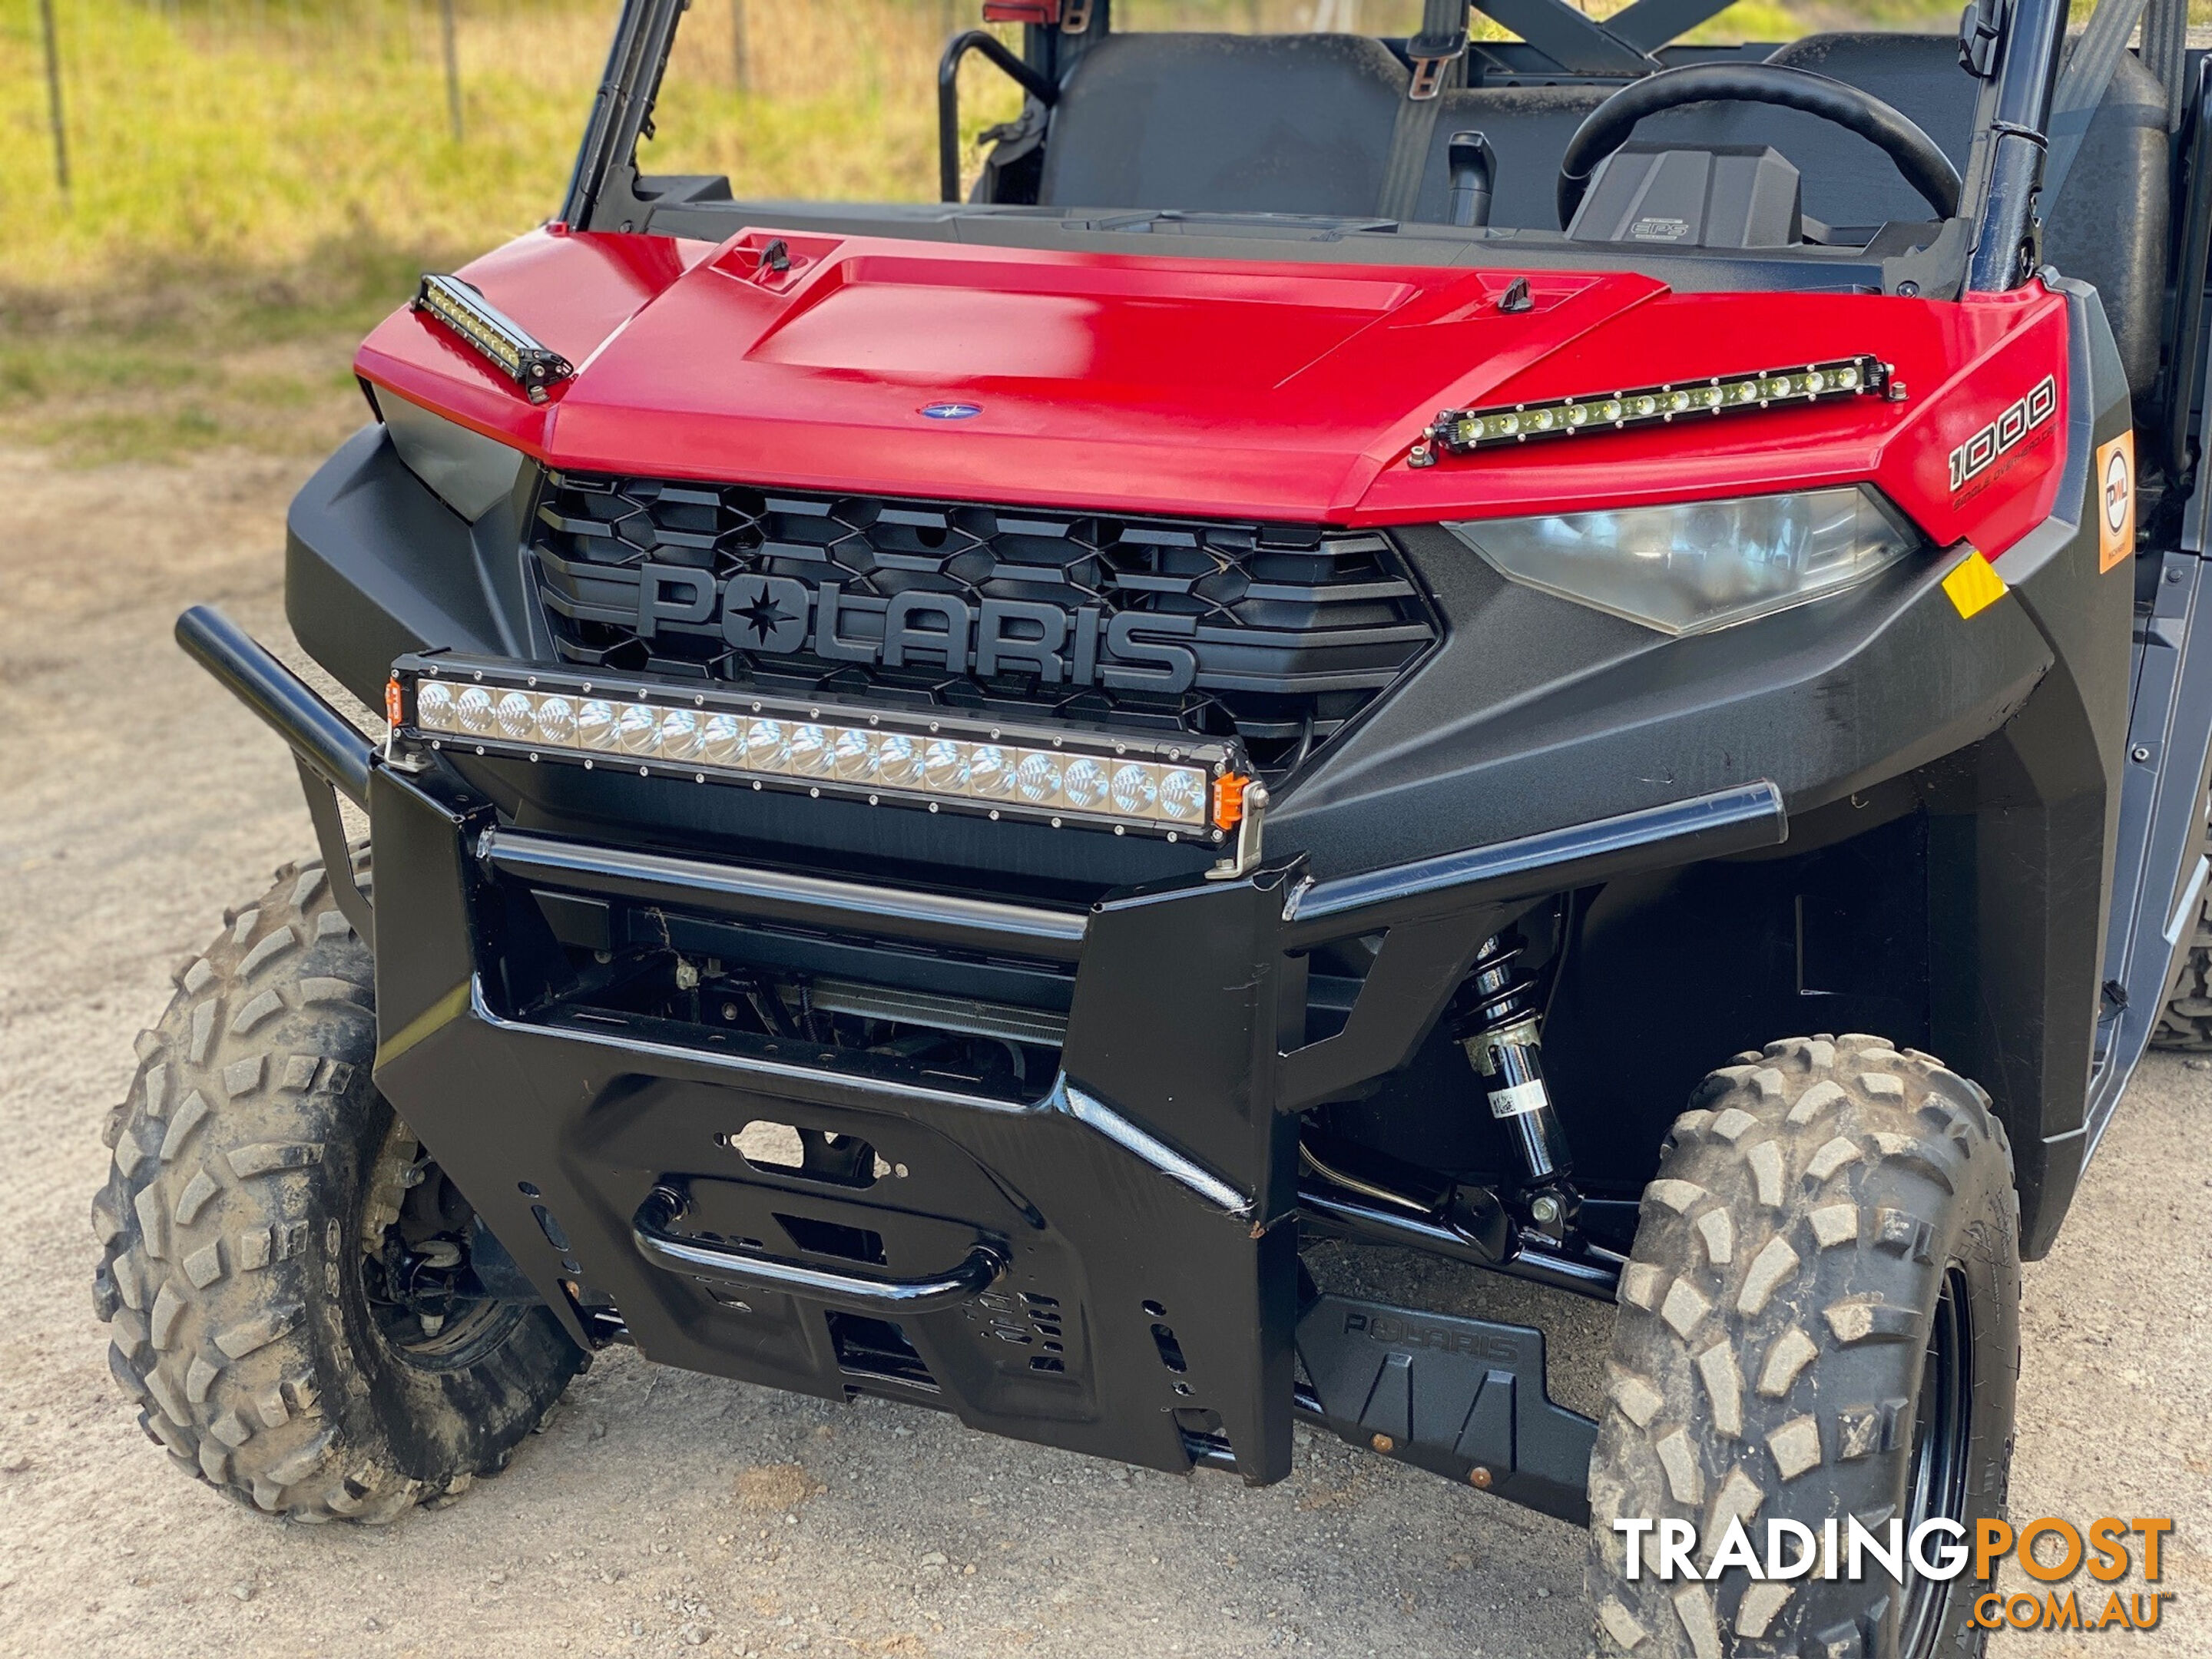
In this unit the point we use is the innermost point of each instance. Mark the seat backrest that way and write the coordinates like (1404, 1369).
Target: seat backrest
(1226, 124)
(2108, 224)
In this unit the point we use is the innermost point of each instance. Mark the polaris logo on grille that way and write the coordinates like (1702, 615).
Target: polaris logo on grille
(781, 616)
(1973, 458)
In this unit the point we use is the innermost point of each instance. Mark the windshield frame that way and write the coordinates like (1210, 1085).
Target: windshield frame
(1986, 247)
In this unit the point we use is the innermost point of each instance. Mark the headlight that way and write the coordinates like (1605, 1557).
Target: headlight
(1703, 565)
(471, 473)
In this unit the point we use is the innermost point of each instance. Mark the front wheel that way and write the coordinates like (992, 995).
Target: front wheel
(1819, 1321)
(284, 1274)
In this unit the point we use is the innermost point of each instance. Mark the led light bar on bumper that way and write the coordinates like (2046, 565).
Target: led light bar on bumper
(1463, 431)
(1177, 788)
(1700, 566)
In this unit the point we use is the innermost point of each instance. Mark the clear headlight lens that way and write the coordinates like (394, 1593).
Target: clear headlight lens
(636, 728)
(595, 724)
(1084, 785)
(556, 722)
(474, 711)
(898, 761)
(722, 740)
(810, 753)
(1701, 565)
(681, 731)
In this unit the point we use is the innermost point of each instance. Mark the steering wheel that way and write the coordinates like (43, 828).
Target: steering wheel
(1925, 168)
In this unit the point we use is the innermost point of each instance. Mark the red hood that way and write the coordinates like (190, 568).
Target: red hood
(1269, 390)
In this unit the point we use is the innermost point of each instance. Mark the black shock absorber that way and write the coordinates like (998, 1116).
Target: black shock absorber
(1501, 1027)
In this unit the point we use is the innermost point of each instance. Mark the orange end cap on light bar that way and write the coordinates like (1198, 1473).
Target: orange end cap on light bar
(1228, 800)
(395, 711)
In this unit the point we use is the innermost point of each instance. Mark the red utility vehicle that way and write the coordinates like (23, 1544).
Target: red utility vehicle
(980, 802)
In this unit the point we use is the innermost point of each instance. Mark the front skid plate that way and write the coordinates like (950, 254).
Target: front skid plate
(1454, 1395)
(1144, 1207)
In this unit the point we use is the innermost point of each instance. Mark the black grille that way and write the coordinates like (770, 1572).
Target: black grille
(1275, 633)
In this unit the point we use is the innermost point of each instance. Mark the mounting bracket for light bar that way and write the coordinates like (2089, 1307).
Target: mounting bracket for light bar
(1463, 431)
(1178, 787)
(493, 335)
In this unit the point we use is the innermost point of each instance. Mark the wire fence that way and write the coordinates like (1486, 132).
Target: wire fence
(248, 132)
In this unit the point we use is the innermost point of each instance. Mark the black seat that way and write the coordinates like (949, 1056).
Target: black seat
(1225, 122)
(2107, 225)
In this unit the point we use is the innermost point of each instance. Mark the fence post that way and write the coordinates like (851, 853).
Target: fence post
(54, 98)
(741, 47)
(453, 67)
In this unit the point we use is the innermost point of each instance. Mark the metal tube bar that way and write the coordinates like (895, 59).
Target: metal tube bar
(1727, 821)
(326, 739)
(728, 1265)
(2024, 79)
(779, 896)
(635, 60)
(1594, 1274)
(948, 98)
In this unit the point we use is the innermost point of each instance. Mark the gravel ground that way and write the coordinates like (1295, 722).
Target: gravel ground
(664, 1513)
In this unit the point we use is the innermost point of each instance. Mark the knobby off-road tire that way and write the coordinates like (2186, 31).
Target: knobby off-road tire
(254, 1158)
(1821, 1209)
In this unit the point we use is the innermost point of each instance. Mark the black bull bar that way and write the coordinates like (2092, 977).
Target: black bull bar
(1111, 1267)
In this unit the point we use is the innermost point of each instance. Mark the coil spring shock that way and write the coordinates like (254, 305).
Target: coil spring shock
(1501, 1027)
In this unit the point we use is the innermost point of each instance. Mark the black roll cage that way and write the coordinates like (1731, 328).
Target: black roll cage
(2014, 44)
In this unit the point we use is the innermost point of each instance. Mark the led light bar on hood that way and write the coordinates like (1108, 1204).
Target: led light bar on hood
(493, 335)
(1176, 788)
(1463, 431)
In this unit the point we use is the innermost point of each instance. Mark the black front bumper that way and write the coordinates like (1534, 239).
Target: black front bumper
(1129, 1282)
(1109, 1266)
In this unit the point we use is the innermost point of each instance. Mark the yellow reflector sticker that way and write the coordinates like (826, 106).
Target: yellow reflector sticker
(1974, 584)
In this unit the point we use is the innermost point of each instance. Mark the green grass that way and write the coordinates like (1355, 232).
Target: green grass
(232, 142)
(161, 363)
(248, 198)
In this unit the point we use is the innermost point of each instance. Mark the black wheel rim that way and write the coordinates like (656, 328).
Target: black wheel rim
(1942, 1443)
(428, 1310)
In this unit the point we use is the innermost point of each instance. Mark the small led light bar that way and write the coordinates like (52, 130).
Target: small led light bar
(493, 335)
(1180, 788)
(1463, 431)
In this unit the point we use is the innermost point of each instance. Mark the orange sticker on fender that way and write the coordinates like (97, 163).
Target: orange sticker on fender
(2116, 500)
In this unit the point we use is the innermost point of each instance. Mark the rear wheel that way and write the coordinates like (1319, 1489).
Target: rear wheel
(1819, 1320)
(285, 1274)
